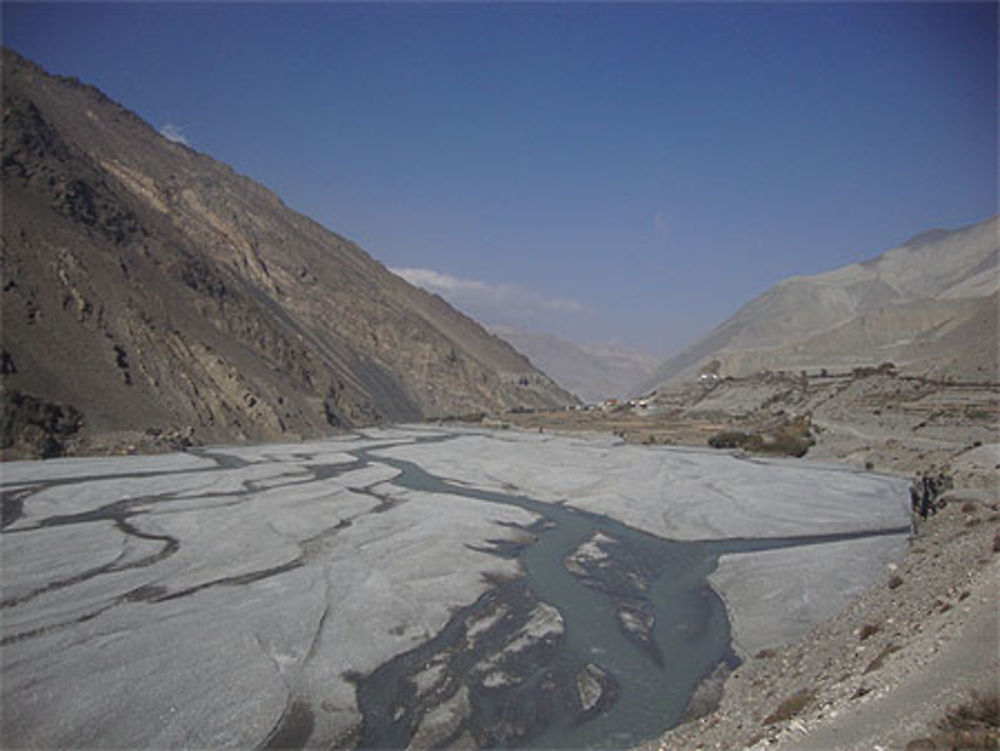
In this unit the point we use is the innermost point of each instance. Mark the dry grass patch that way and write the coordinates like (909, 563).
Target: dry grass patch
(790, 707)
(869, 629)
(880, 658)
(972, 725)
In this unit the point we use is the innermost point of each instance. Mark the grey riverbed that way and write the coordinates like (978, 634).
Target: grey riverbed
(412, 587)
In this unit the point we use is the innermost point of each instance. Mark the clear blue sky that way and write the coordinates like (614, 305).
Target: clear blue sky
(628, 172)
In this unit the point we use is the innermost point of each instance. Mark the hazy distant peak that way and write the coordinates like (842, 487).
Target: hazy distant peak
(926, 300)
(591, 371)
(926, 238)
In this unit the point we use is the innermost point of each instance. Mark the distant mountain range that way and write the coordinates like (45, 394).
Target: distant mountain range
(147, 287)
(929, 306)
(593, 372)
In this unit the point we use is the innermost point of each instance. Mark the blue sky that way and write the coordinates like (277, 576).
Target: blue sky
(606, 172)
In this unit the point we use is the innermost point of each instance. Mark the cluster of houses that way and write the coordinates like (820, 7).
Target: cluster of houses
(610, 405)
(709, 377)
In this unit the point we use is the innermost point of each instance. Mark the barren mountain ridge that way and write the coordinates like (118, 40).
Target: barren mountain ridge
(152, 295)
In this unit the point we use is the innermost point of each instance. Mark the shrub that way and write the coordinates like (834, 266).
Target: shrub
(792, 438)
(40, 425)
(788, 445)
(972, 725)
(880, 658)
(728, 439)
(869, 629)
(790, 707)
(981, 711)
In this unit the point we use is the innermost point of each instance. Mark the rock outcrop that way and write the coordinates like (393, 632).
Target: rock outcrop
(153, 289)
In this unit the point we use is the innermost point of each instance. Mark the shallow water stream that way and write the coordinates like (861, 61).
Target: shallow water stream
(654, 673)
(273, 592)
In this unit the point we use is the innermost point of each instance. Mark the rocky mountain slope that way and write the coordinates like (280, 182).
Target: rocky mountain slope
(593, 372)
(930, 305)
(149, 293)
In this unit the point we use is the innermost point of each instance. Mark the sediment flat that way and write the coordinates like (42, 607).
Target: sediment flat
(235, 597)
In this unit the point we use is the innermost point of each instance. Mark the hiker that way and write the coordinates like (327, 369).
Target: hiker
(927, 496)
(914, 497)
(942, 483)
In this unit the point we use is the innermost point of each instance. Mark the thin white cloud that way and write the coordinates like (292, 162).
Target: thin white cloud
(485, 300)
(174, 133)
(661, 224)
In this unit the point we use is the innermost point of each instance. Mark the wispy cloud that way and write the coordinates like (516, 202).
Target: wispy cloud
(491, 303)
(174, 133)
(661, 224)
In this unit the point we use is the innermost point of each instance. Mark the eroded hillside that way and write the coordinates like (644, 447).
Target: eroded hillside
(929, 306)
(165, 299)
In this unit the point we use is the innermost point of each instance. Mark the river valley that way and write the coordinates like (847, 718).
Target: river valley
(412, 587)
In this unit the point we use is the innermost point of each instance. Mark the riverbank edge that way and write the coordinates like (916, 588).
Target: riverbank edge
(959, 545)
(728, 728)
(825, 685)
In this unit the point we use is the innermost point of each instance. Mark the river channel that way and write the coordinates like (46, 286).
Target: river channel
(395, 589)
(636, 606)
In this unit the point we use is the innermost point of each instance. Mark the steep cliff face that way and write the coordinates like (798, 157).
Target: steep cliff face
(929, 305)
(152, 289)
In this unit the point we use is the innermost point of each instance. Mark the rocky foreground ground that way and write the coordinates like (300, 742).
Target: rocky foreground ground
(896, 669)
(914, 662)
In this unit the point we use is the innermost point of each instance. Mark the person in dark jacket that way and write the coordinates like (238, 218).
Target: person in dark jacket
(926, 496)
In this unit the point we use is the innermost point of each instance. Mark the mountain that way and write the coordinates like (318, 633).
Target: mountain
(148, 288)
(929, 305)
(593, 372)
